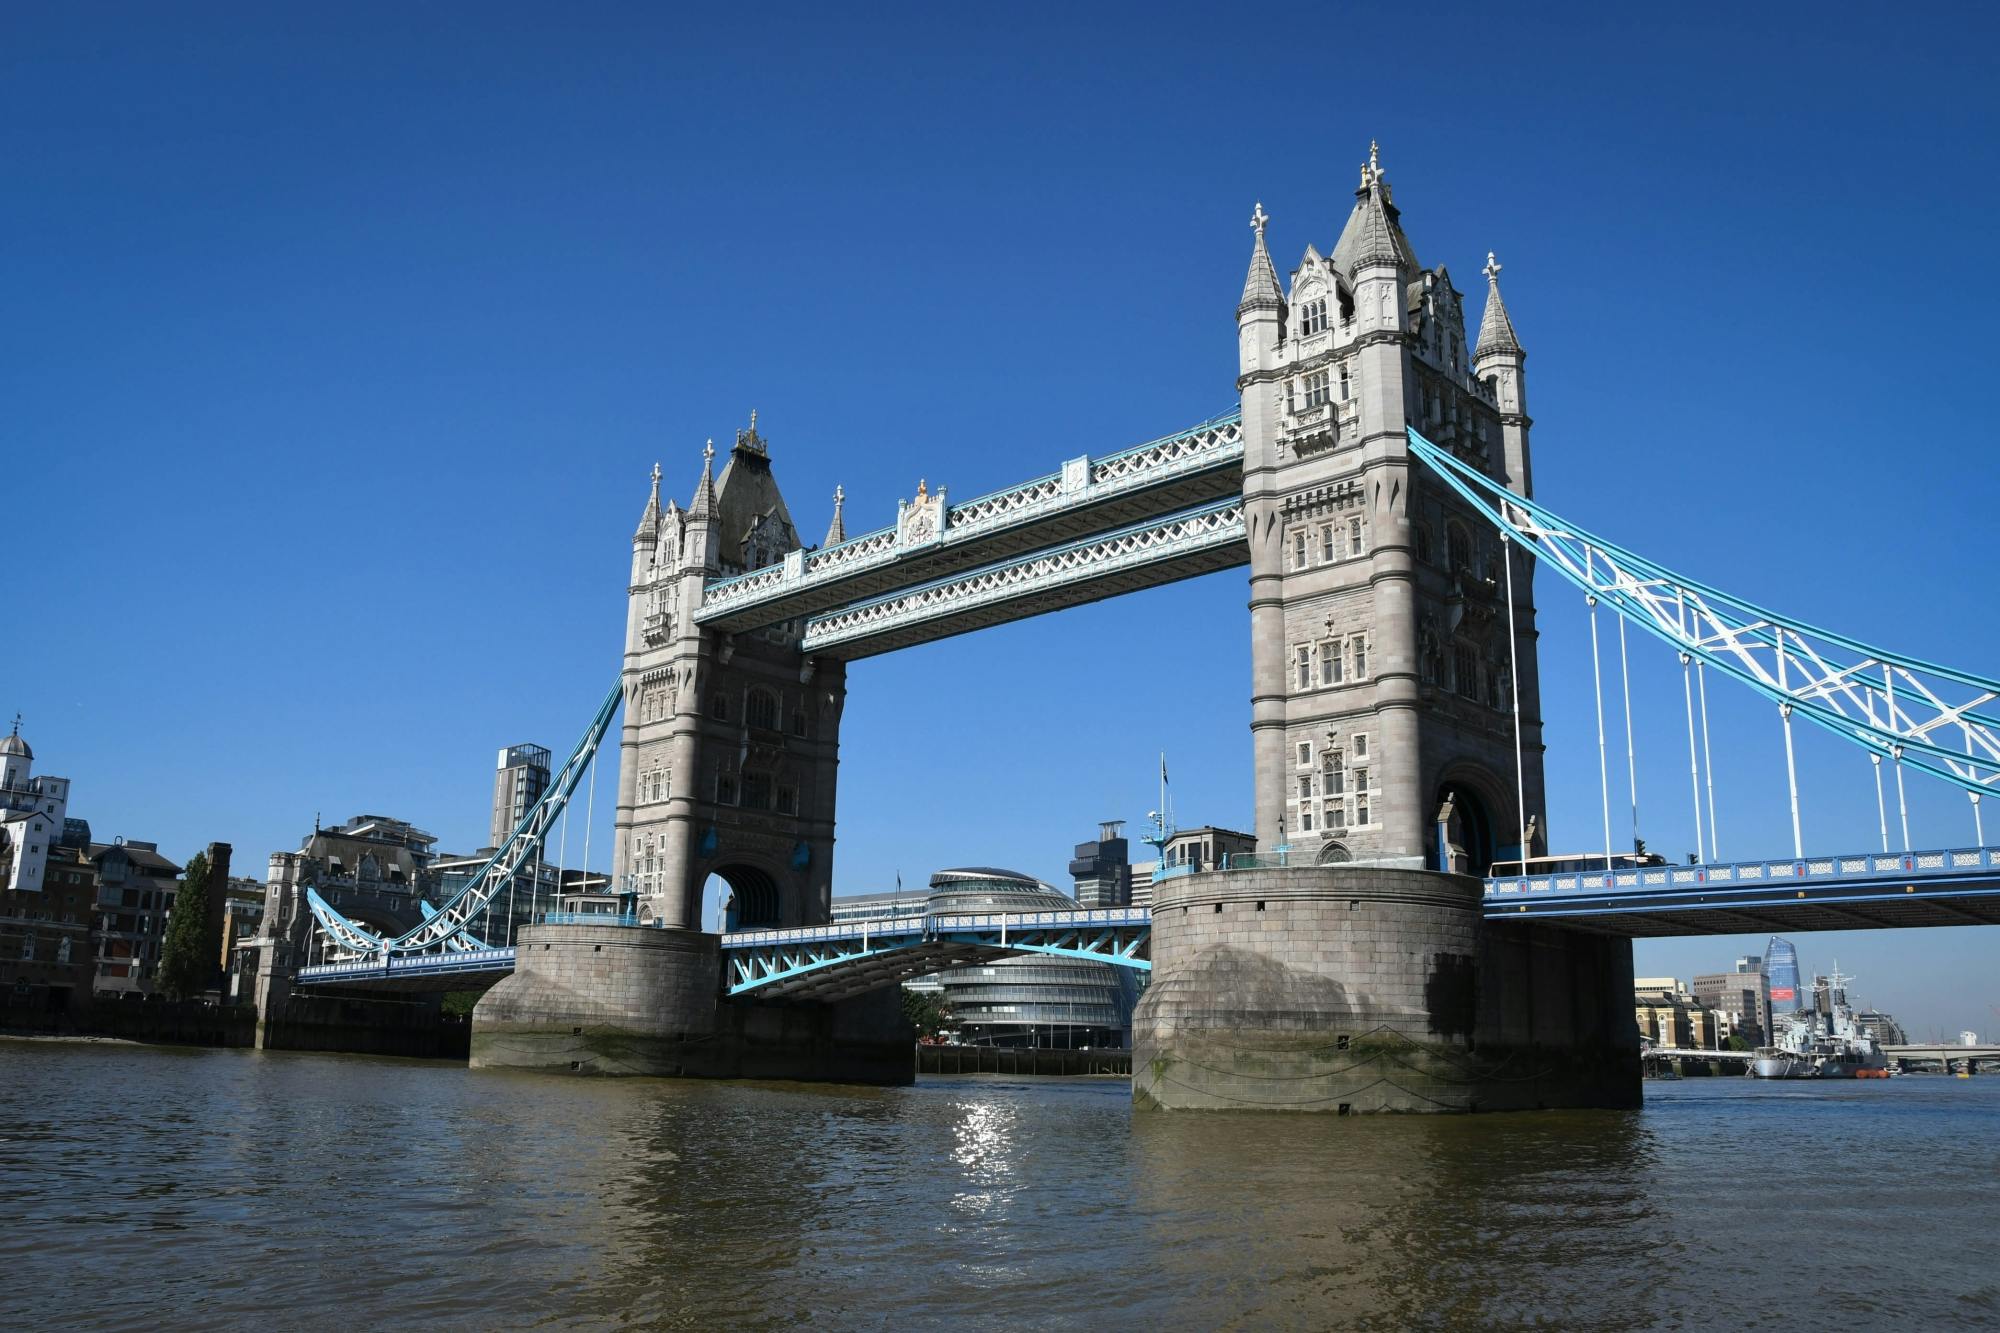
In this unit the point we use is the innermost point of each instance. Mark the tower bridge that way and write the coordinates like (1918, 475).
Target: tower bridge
(1377, 953)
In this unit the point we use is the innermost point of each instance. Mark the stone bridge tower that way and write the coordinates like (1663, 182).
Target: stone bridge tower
(1358, 972)
(1383, 676)
(726, 766)
(729, 748)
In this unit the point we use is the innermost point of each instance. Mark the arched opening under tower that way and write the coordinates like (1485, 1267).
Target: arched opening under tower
(1468, 829)
(738, 897)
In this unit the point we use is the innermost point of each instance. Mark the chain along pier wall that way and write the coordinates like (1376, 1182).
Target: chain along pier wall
(1353, 989)
(645, 1000)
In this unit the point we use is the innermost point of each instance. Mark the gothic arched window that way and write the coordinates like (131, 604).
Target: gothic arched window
(1458, 547)
(761, 710)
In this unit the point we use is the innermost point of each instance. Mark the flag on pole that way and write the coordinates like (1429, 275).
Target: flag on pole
(1163, 766)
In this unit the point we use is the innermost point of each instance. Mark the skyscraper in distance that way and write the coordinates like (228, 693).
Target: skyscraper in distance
(1781, 967)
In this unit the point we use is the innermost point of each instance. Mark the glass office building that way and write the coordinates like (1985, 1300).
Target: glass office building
(1781, 971)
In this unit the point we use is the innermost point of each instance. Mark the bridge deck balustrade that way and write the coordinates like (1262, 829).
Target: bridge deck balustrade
(1956, 886)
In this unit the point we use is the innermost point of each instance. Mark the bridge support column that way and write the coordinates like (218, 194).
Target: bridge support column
(1354, 989)
(644, 1000)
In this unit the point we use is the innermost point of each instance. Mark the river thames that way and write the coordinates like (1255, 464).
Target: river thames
(149, 1187)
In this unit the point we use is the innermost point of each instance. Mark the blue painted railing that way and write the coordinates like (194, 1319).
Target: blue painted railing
(1887, 868)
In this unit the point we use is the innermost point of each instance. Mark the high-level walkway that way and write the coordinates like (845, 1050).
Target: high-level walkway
(1131, 488)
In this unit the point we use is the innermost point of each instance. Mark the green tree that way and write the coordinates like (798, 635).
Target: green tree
(187, 965)
(927, 1011)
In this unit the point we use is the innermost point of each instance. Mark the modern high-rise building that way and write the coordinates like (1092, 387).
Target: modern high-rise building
(1103, 869)
(1781, 972)
(522, 777)
(1739, 997)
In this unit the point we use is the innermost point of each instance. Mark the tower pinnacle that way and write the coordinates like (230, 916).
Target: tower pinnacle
(704, 491)
(836, 531)
(649, 519)
(1260, 285)
(1496, 330)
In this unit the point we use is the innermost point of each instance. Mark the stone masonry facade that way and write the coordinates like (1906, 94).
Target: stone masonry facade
(1384, 672)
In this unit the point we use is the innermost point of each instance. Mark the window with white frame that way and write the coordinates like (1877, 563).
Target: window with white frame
(1334, 774)
(1305, 754)
(1361, 810)
(1312, 318)
(1319, 389)
(1346, 384)
(1329, 542)
(1299, 549)
(1360, 657)
(1305, 786)
(1360, 743)
(1354, 546)
(1305, 668)
(1329, 662)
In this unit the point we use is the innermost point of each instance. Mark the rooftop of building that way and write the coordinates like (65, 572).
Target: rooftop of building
(143, 855)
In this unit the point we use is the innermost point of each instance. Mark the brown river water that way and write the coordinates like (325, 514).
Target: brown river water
(161, 1188)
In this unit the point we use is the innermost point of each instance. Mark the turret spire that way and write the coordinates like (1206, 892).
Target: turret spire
(1372, 234)
(1496, 330)
(704, 491)
(1260, 285)
(836, 531)
(649, 521)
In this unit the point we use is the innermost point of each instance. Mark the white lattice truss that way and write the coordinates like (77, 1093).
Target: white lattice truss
(447, 929)
(1085, 481)
(1210, 526)
(1894, 707)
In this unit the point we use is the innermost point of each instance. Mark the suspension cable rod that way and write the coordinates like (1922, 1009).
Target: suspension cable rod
(1514, 679)
(1707, 757)
(1603, 768)
(1881, 812)
(1631, 765)
(1791, 766)
(1694, 764)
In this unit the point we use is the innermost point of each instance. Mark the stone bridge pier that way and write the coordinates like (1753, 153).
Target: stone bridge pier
(644, 1000)
(1352, 989)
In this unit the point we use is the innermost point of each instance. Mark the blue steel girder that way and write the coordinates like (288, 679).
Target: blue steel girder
(1190, 467)
(1890, 705)
(1146, 555)
(822, 962)
(444, 930)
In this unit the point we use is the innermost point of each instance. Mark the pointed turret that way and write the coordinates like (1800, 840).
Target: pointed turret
(704, 491)
(1374, 233)
(1260, 285)
(649, 522)
(1497, 360)
(1496, 330)
(836, 531)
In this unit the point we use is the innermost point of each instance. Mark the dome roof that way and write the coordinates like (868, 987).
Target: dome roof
(13, 744)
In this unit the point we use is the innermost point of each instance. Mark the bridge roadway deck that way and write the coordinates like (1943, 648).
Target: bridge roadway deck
(1862, 891)
(1941, 1051)
(471, 969)
(1194, 467)
(1858, 891)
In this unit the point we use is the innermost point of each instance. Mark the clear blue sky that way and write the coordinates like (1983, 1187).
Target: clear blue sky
(339, 341)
